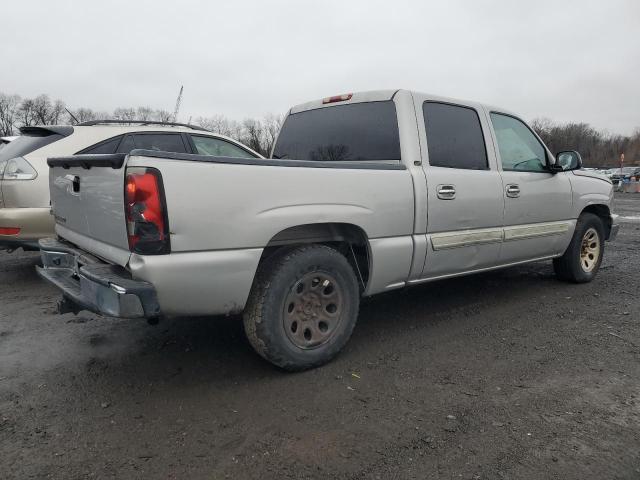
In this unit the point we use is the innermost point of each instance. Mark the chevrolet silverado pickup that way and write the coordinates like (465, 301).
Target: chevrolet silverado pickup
(363, 193)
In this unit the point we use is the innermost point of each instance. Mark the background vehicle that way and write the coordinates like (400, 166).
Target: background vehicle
(365, 193)
(624, 173)
(24, 190)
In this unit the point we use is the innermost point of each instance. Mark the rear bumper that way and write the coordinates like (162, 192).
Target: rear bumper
(34, 223)
(90, 284)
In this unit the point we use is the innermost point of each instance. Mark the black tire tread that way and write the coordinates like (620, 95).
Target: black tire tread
(566, 267)
(259, 338)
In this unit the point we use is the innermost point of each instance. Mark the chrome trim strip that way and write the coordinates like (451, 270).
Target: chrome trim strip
(464, 238)
(518, 232)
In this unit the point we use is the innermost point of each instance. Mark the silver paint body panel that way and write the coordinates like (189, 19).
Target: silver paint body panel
(202, 283)
(223, 215)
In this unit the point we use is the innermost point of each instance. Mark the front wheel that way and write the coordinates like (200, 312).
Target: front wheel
(303, 307)
(583, 256)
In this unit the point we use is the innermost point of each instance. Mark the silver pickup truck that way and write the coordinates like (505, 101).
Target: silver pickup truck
(364, 193)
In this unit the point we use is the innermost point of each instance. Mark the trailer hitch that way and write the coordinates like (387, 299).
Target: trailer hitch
(66, 305)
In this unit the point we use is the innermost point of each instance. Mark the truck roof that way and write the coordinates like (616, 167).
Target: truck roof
(380, 96)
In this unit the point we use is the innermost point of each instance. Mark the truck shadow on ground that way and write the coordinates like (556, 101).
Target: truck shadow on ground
(197, 350)
(214, 349)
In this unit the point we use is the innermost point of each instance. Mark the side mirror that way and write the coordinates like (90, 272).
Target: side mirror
(569, 160)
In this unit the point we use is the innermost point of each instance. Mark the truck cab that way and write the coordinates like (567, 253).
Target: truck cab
(487, 191)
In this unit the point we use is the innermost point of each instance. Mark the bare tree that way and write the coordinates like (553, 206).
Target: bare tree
(124, 114)
(215, 124)
(253, 134)
(46, 112)
(57, 112)
(222, 125)
(144, 113)
(272, 124)
(41, 109)
(27, 113)
(164, 116)
(86, 114)
(9, 109)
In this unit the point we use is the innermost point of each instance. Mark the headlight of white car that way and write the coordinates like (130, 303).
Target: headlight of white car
(17, 169)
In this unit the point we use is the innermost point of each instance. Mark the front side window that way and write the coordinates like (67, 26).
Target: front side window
(519, 148)
(358, 131)
(454, 136)
(218, 147)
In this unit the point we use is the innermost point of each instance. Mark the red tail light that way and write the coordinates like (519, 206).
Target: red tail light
(9, 230)
(146, 212)
(338, 98)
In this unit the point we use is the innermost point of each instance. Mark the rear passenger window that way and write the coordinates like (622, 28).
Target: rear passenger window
(164, 142)
(454, 137)
(107, 146)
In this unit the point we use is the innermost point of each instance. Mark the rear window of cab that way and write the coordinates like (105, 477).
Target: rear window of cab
(353, 132)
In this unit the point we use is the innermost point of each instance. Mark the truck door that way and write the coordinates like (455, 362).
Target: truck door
(538, 206)
(464, 190)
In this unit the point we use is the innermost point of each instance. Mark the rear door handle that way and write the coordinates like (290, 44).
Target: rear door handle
(446, 192)
(513, 190)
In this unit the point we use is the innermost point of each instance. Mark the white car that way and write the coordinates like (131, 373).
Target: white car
(24, 175)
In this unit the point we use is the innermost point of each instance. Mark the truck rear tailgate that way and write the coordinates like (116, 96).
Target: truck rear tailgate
(87, 199)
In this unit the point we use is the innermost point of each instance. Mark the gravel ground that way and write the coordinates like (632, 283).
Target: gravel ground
(505, 375)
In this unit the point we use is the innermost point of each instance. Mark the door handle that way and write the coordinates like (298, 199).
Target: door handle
(446, 192)
(513, 191)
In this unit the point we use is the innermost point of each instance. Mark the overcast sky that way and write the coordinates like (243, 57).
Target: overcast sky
(566, 60)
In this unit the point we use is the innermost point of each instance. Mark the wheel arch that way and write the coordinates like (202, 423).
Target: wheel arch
(603, 212)
(347, 238)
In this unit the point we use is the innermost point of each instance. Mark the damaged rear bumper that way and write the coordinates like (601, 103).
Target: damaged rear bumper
(87, 283)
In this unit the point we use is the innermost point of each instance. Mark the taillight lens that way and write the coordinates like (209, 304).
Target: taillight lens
(146, 212)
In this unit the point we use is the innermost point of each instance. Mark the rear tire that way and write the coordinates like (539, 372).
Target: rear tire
(581, 261)
(303, 307)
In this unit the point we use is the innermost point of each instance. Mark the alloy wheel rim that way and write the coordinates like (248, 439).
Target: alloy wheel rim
(312, 310)
(590, 250)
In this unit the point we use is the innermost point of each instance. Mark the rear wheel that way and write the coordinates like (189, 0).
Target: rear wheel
(582, 259)
(303, 307)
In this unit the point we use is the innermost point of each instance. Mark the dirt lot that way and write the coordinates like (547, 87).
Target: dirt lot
(510, 374)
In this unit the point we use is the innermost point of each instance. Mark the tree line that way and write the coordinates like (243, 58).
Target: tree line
(598, 148)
